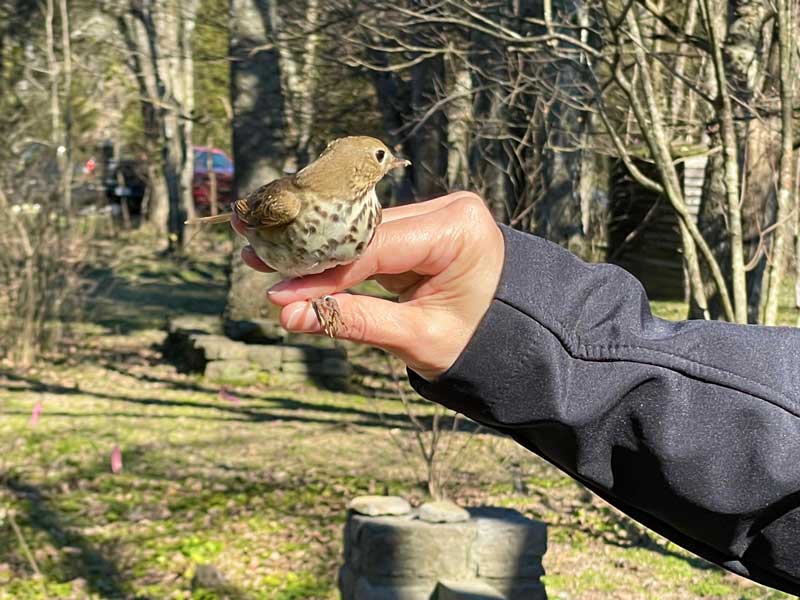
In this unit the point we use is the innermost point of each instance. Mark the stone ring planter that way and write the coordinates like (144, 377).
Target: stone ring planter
(485, 553)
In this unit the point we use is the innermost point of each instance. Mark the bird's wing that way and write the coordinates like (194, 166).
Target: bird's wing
(271, 205)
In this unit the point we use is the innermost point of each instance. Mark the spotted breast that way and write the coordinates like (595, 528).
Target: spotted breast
(324, 234)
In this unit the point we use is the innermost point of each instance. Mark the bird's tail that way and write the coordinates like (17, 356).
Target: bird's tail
(212, 220)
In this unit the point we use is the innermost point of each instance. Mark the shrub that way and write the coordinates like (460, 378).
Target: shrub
(42, 253)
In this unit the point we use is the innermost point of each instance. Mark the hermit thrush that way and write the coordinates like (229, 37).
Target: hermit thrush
(323, 216)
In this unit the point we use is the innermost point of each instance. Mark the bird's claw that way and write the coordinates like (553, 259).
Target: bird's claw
(328, 315)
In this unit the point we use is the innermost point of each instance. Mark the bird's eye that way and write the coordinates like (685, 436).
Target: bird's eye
(380, 155)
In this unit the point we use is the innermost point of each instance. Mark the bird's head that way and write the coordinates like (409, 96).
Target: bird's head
(351, 165)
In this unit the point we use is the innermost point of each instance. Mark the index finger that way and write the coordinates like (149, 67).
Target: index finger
(415, 209)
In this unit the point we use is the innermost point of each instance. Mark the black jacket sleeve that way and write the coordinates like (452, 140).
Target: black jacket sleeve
(691, 428)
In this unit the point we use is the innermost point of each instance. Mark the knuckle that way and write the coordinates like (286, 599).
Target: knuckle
(470, 218)
(471, 208)
(474, 200)
(358, 323)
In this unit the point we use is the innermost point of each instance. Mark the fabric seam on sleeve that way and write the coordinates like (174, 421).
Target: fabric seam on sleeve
(692, 368)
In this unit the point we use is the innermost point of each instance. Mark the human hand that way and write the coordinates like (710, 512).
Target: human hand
(443, 258)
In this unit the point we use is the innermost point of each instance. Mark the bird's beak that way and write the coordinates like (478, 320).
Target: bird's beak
(398, 163)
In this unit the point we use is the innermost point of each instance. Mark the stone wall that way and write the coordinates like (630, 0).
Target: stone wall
(249, 352)
(436, 554)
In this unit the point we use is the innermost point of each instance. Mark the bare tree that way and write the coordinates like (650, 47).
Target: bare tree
(66, 69)
(787, 48)
(647, 110)
(158, 35)
(797, 244)
(60, 95)
(431, 450)
(531, 103)
(555, 84)
(273, 77)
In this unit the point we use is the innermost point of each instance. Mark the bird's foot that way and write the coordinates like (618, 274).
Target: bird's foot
(328, 315)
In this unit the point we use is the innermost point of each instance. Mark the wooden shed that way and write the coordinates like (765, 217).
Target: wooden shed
(643, 228)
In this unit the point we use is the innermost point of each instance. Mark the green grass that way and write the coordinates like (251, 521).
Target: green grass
(674, 310)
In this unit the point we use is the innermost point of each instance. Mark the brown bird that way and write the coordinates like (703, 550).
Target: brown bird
(323, 216)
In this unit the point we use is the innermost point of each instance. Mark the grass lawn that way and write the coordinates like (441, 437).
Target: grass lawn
(255, 485)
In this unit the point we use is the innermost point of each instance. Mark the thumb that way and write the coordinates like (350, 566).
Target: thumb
(365, 319)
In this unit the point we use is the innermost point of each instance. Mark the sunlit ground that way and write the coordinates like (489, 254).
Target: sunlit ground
(255, 484)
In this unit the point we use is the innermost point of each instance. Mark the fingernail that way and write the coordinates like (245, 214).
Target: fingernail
(279, 288)
(302, 319)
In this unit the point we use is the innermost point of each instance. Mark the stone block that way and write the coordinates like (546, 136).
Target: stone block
(300, 354)
(347, 582)
(508, 545)
(178, 346)
(309, 339)
(337, 384)
(335, 367)
(218, 347)
(267, 357)
(247, 290)
(239, 371)
(309, 369)
(367, 590)
(380, 506)
(518, 589)
(255, 331)
(334, 352)
(290, 378)
(442, 512)
(399, 547)
(330, 367)
(466, 590)
(199, 324)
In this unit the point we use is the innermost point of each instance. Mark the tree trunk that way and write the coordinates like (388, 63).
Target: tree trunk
(297, 78)
(259, 149)
(213, 200)
(65, 157)
(711, 221)
(564, 212)
(158, 36)
(677, 96)
(490, 163)
(158, 206)
(394, 100)
(797, 243)
(429, 140)
(458, 130)
(593, 191)
(186, 11)
(787, 33)
(747, 154)
(56, 122)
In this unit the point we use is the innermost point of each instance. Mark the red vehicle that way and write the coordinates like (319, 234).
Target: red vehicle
(222, 167)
